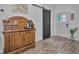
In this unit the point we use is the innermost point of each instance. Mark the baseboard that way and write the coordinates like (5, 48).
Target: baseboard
(64, 37)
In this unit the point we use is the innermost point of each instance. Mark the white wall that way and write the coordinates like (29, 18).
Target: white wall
(61, 29)
(2, 15)
(35, 14)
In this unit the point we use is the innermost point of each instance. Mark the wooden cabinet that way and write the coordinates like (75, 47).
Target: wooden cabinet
(15, 40)
(20, 39)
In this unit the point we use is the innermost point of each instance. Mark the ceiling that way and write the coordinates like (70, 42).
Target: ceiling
(51, 5)
(57, 5)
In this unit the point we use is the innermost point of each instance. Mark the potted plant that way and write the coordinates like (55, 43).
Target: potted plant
(72, 32)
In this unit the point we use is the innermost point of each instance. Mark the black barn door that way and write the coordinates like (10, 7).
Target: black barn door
(46, 23)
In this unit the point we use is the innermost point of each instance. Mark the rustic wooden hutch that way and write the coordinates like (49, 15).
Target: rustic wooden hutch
(17, 36)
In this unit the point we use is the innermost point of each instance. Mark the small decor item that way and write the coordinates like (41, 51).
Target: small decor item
(2, 10)
(67, 25)
(72, 16)
(30, 24)
(20, 8)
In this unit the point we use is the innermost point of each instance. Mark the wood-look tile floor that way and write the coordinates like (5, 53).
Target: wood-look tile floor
(55, 45)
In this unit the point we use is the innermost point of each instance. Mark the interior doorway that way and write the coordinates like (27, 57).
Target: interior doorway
(46, 23)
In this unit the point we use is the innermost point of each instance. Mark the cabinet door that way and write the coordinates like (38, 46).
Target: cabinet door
(19, 39)
(26, 38)
(12, 42)
(16, 41)
(6, 43)
(31, 37)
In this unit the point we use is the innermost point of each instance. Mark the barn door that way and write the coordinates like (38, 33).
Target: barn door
(46, 23)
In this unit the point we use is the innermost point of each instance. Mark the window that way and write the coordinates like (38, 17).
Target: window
(61, 18)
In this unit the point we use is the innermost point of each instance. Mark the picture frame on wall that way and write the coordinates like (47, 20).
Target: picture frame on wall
(20, 8)
(72, 16)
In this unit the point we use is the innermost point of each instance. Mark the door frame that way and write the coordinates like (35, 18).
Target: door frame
(42, 17)
(49, 21)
